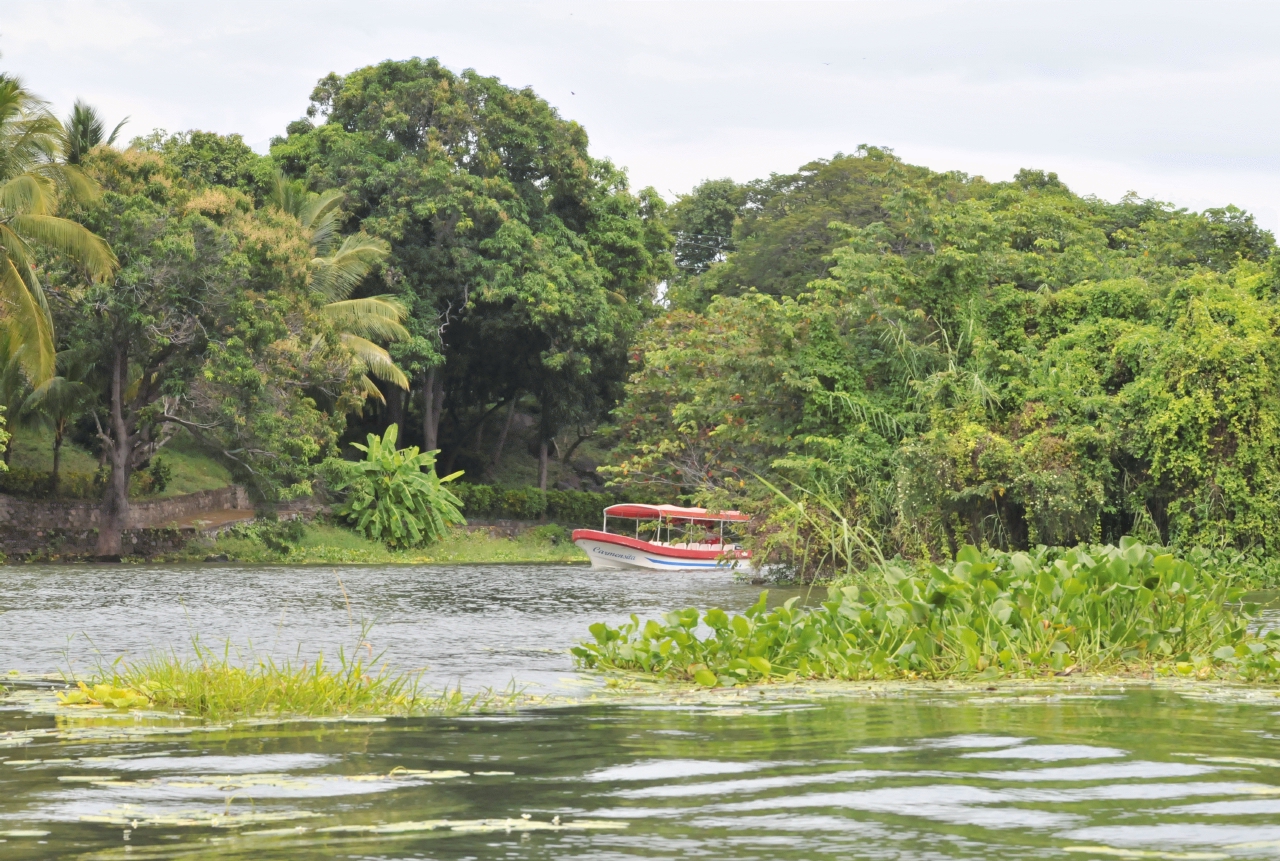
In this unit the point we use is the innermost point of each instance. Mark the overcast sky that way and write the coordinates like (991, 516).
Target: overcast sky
(1174, 100)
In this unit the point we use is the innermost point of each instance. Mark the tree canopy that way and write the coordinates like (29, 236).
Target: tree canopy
(1007, 363)
(525, 263)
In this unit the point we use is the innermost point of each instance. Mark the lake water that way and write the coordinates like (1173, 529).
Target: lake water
(772, 773)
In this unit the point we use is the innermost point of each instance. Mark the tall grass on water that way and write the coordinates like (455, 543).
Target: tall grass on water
(1134, 609)
(810, 535)
(217, 686)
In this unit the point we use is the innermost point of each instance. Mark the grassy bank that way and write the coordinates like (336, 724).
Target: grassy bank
(186, 469)
(1132, 609)
(320, 543)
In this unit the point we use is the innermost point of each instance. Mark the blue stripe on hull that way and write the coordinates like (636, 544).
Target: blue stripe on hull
(689, 564)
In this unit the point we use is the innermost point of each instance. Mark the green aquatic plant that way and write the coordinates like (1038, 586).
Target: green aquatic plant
(394, 495)
(217, 686)
(213, 685)
(108, 695)
(1128, 609)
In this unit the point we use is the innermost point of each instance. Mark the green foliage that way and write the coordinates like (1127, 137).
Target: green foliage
(780, 234)
(160, 473)
(206, 326)
(1102, 609)
(702, 223)
(394, 495)
(1006, 364)
(32, 181)
(569, 507)
(85, 129)
(551, 533)
(213, 685)
(280, 537)
(103, 694)
(35, 484)
(526, 264)
(320, 543)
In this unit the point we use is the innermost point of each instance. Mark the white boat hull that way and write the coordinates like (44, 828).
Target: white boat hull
(604, 554)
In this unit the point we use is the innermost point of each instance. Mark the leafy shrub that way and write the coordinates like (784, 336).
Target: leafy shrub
(394, 495)
(161, 474)
(36, 484)
(280, 536)
(550, 533)
(1101, 608)
(571, 507)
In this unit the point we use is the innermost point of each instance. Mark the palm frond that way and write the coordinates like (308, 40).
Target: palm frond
(371, 317)
(336, 275)
(287, 195)
(19, 251)
(72, 239)
(55, 398)
(29, 324)
(115, 132)
(324, 231)
(69, 176)
(28, 193)
(320, 206)
(370, 390)
(374, 359)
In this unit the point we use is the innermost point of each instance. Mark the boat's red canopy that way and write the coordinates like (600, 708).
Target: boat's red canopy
(672, 512)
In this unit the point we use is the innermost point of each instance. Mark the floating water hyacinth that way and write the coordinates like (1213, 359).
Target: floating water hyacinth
(1132, 608)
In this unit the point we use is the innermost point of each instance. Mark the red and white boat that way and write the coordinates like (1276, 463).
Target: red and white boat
(675, 539)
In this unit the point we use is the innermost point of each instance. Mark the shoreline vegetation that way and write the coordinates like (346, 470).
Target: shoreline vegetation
(1130, 610)
(302, 543)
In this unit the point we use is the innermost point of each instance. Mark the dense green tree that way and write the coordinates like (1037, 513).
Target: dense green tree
(781, 237)
(1006, 363)
(702, 223)
(205, 327)
(525, 263)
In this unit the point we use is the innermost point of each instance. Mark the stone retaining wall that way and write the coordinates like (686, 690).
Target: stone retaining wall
(64, 545)
(47, 529)
(39, 515)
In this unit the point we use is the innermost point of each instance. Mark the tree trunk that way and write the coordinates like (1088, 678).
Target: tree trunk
(579, 441)
(542, 466)
(395, 409)
(115, 501)
(502, 436)
(57, 457)
(432, 407)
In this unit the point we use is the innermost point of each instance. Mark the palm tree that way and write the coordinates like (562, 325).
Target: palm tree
(31, 177)
(85, 129)
(336, 270)
(53, 405)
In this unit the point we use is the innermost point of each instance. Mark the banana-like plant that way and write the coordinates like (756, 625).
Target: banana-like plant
(394, 495)
(31, 178)
(338, 266)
